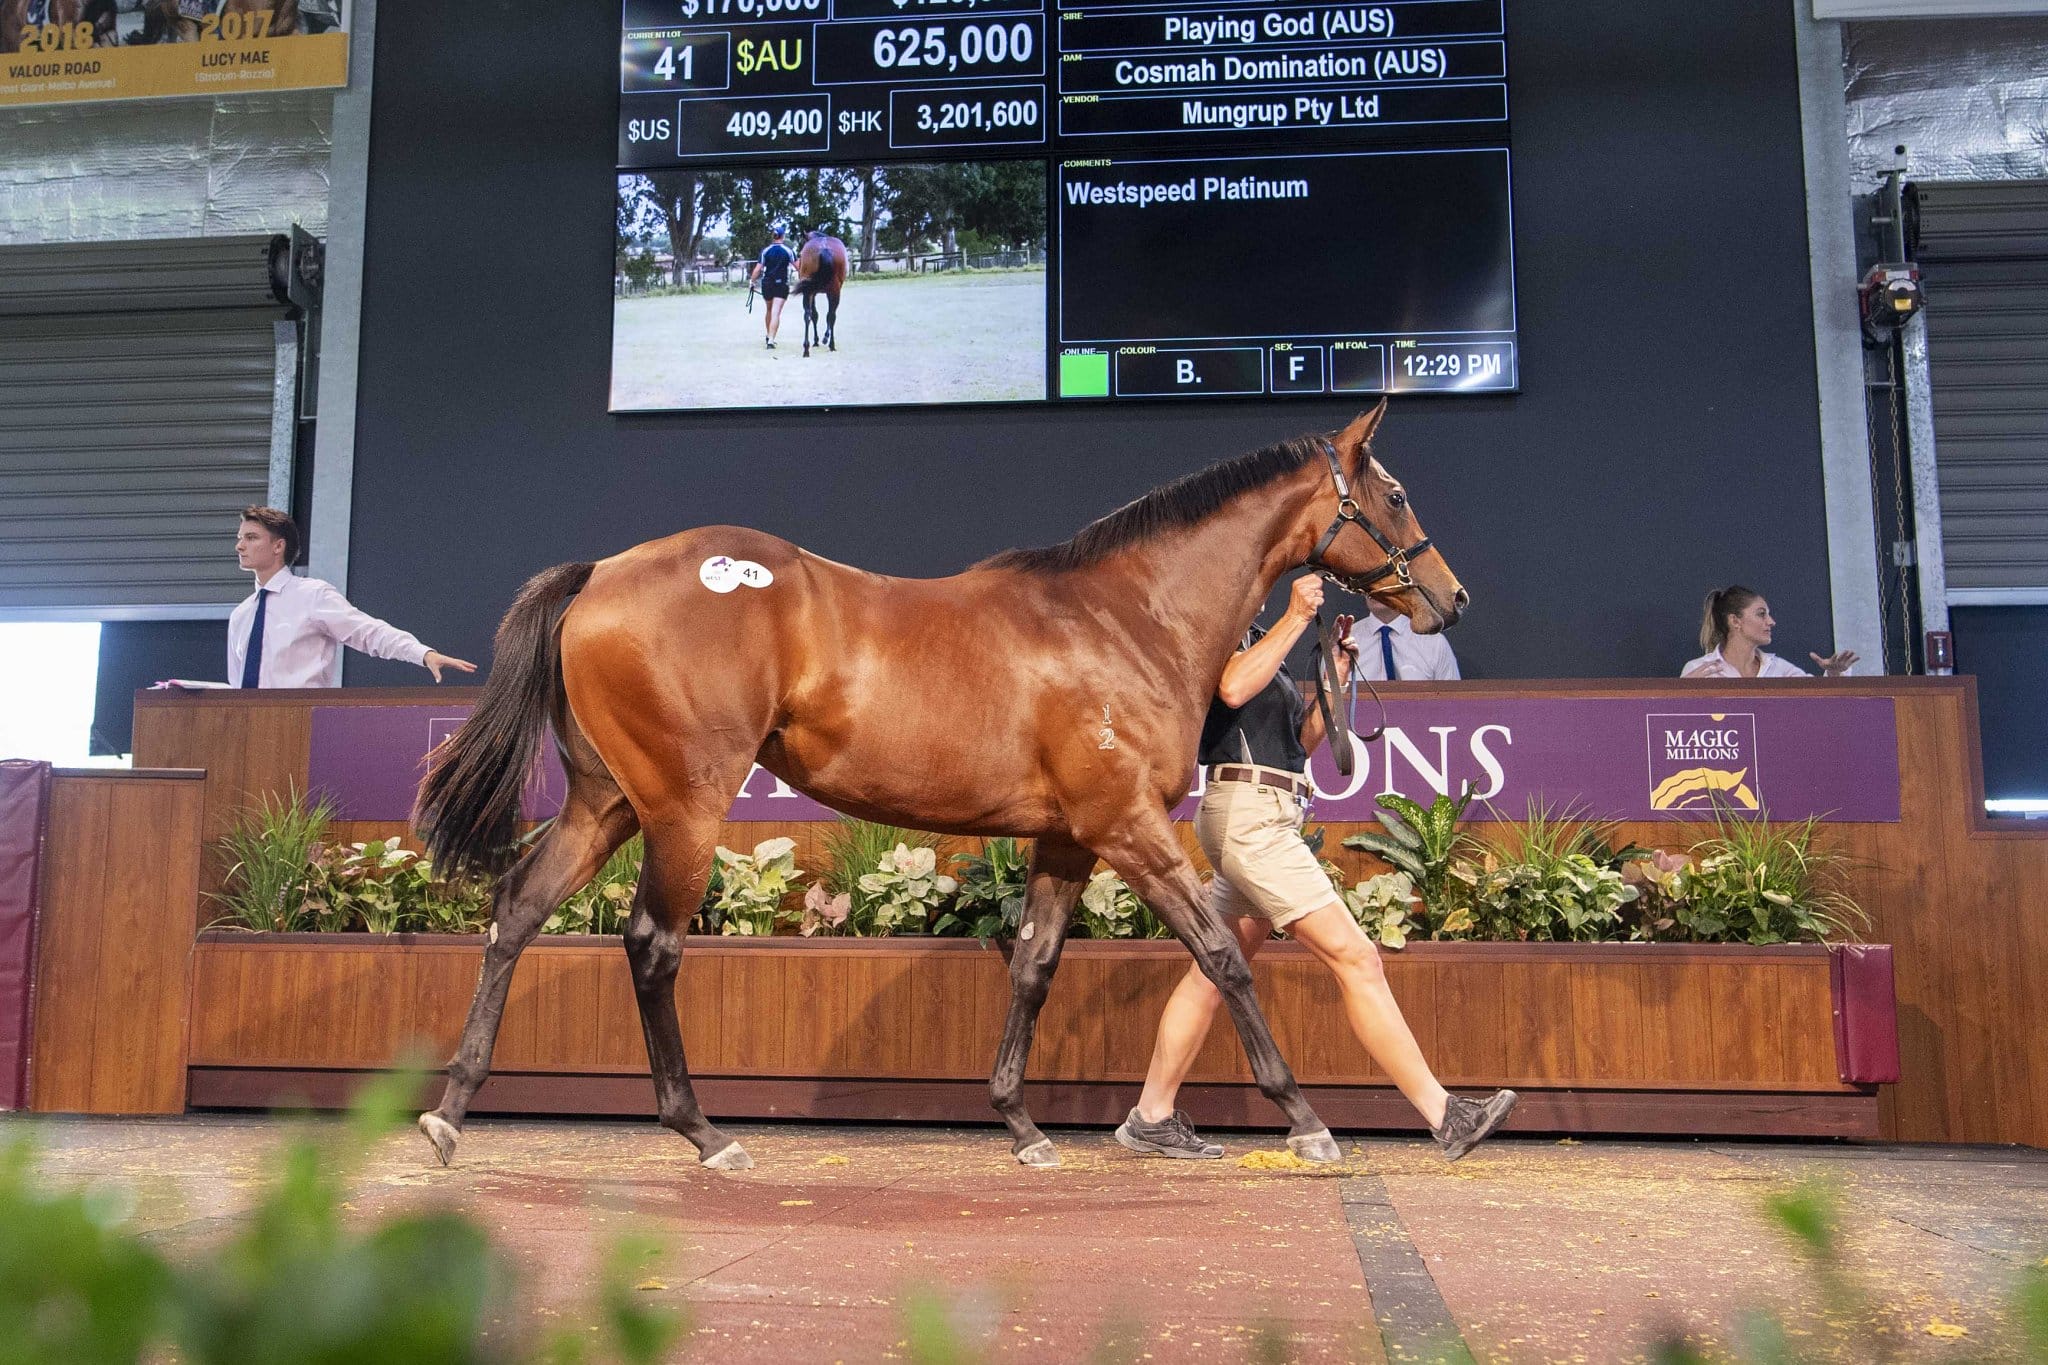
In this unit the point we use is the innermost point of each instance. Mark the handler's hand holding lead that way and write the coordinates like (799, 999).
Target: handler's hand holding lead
(1344, 640)
(1305, 598)
(436, 661)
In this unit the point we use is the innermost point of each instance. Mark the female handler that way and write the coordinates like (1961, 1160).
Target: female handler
(1255, 745)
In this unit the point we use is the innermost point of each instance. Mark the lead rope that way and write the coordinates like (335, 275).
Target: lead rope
(1328, 647)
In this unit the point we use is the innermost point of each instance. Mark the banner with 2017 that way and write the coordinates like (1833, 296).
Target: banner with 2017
(81, 51)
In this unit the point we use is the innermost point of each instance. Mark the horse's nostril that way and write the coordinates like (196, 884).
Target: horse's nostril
(1461, 599)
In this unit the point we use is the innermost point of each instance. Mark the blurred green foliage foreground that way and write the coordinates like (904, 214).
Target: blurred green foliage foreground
(302, 1281)
(292, 1284)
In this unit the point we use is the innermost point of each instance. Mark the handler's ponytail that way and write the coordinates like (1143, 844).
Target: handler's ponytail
(1721, 604)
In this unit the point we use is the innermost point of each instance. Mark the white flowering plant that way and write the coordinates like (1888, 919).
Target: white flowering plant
(904, 889)
(1110, 909)
(753, 887)
(1386, 907)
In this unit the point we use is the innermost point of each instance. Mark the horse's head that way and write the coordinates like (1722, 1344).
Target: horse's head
(1374, 545)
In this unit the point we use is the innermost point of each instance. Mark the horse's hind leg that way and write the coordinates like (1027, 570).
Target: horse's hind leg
(680, 846)
(1059, 872)
(1147, 855)
(595, 820)
(832, 324)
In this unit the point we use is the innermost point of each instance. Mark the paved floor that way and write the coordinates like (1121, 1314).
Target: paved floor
(1529, 1250)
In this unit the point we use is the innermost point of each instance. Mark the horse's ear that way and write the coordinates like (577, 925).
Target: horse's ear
(1355, 440)
(1362, 427)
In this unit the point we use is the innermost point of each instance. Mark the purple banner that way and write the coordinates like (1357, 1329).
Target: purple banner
(1644, 757)
(1647, 757)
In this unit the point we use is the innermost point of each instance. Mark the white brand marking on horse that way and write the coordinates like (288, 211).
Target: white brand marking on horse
(1107, 733)
(1027, 931)
(723, 573)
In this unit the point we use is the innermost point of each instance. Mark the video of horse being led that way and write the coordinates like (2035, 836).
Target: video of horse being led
(830, 286)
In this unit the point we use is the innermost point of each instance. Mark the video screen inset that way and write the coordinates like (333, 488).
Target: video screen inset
(1104, 202)
(927, 281)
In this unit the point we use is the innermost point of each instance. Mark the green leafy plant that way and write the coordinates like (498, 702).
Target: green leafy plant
(854, 849)
(990, 900)
(1569, 898)
(710, 919)
(1556, 879)
(1424, 842)
(458, 906)
(753, 887)
(1761, 882)
(294, 1282)
(905, 889)
(374, 884)
(75, 1285)
(1110, 909)
(1386, 907)
(272, 847)
(604, 905)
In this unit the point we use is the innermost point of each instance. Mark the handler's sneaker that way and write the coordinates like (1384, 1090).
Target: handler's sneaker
(1171, 1136)
(1467, 1123)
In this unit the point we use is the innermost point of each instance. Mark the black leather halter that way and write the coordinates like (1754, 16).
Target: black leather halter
(1351, 514)
(1340, 729)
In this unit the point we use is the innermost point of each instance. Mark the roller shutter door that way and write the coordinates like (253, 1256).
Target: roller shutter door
(138, 400)
(1984, 252)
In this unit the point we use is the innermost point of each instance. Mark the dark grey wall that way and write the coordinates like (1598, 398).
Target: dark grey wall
(1667, 440)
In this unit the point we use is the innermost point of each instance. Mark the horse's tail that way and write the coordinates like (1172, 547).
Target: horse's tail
(468, 809)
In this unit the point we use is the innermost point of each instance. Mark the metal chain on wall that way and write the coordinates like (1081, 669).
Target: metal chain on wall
(1897, 576)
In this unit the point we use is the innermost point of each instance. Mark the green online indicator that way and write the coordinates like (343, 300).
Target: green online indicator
(1085, 376)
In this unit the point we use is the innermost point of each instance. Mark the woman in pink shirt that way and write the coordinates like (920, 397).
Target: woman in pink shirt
(1735, 628)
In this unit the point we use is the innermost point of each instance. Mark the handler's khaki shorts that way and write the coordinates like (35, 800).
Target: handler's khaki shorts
(1252, 836)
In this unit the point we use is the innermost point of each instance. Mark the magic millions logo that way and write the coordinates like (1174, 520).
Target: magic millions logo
(1698, 762)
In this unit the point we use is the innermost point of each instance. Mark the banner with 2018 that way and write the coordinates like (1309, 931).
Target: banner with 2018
(81, 51)
(1681, 755)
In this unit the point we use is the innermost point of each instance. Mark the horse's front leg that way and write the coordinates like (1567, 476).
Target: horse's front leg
(1059, 872)
(1147, 855)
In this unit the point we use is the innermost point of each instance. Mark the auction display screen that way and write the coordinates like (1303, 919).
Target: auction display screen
(839, 202)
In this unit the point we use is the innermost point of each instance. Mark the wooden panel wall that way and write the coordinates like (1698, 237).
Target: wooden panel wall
(1961, 898)
(120, 894)
(1668, 1018)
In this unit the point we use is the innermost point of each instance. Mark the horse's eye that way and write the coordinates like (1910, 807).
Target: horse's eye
(1397, 500)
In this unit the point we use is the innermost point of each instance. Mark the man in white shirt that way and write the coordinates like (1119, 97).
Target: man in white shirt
(289, 632)
(1388, 648)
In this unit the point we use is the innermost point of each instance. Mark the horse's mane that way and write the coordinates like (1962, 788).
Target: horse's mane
(1186, 501)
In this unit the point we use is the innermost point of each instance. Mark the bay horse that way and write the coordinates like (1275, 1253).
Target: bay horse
(821, 267)
(668, 670)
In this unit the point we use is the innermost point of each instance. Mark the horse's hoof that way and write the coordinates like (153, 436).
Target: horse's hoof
(1317, 1146)
(731, 1157)
(441, 1133)
(1040, 1154)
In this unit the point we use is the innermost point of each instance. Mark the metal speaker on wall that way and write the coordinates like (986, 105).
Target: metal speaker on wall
(298, 276)
(298, 269)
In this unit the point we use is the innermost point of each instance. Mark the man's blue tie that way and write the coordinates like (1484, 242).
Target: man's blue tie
(252, 660)
(1386, 652)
